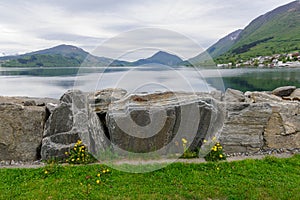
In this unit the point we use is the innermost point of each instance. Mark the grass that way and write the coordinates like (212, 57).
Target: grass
(270, 178)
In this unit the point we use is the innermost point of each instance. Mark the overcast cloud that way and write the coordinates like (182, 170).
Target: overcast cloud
(31, 25)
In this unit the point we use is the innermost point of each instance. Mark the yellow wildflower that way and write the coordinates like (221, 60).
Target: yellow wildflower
(98, 181)
(184, 140)
(220, 148)
(78, 159)
(79, 141)
(204, 141)
(66, 153)
(46, 172)
(218, 168)
(73, 160)
(214, 138)
(74, 148)
(221, 156)
(98, 175)
(103, 171)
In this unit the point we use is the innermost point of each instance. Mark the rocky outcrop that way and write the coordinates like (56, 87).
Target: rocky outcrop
(277, 122)
(158, 122)
(143, 123)
(70, 121)
(283, 128)
(21, 127)
(244, 126)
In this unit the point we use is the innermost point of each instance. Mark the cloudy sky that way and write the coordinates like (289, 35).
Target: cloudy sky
(35, 24)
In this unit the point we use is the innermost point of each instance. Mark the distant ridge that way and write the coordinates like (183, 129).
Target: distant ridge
(160, 57)
(68, 55)
(277, 31)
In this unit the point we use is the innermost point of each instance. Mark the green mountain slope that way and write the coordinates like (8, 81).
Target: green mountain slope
(224, 44)
(71, 56)
(205, 59)
(59, 56)
(278, 31)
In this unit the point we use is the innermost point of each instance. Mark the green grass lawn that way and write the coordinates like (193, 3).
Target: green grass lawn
(270, 178)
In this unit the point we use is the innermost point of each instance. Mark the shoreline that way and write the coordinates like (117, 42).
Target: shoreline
(237, 157)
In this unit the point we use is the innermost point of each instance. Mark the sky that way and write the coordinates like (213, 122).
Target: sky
(101, 24)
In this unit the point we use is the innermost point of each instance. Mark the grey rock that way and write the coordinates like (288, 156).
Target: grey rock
(158, 122)
(70, 121)
(232, 95)
(244, 126)
(283, 128)
(29, 103)
(295, 96)
(51, 107)
(100, 100)
(21, 129)
(261, 97)
(284, 91)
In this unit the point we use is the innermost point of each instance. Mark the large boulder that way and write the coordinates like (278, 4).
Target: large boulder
(21, 128)
(158, 122)
(284, 91)
(244, 126)
(283, 128)
(72, 120)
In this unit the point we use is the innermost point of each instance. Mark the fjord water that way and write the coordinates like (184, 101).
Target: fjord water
(53, 82)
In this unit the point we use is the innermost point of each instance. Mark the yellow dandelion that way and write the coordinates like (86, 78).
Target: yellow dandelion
(99, 175)
(221, 156)
(98, 181)
(74, 148)
(82, 150)
(184, 140)
(73, 160)
(78, 159)
(103, 171)
(46, 172)
(220, 148)
(79, 141)
(218, 168)
(107, 170)
(218, 144)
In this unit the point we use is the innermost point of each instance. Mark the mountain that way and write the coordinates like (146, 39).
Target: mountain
(67, 55)
(277, 31)
(224, 44)
(58, 56)
(217, 49)
(160, 57)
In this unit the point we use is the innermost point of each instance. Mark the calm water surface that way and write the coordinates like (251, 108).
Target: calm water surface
(53, 82)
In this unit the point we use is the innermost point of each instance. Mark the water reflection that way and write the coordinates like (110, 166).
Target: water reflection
(53, 82)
